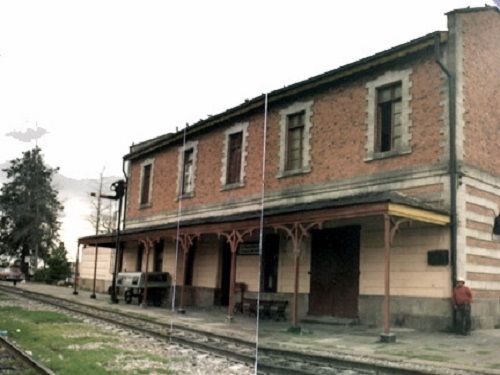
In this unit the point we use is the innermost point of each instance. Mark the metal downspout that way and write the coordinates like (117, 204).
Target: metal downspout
(124, 220)
(452, 167)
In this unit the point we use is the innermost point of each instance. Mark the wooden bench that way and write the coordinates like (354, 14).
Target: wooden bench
(268, 309)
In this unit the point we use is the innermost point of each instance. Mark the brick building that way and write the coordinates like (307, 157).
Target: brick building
(381, 185)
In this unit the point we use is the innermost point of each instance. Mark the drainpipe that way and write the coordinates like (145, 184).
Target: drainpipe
(124, 220)
(452, 166)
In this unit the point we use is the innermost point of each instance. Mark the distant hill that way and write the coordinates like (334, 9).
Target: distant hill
(74, 194)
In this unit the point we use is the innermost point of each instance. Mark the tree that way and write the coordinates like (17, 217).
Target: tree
(29, 209)
(58, 265)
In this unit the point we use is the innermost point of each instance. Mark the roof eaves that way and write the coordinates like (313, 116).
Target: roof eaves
(342, 72)
(474, 10)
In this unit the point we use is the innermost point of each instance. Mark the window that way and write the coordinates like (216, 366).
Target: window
(295, 141)
(234, 158)
(295, 134)
(389, 118)
(388, 115)
(187, 172)
(145, 184)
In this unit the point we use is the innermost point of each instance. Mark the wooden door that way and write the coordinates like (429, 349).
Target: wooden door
(334, 280)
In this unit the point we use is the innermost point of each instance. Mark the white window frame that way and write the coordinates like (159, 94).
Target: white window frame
(388, 78)
(307, 108)
(180, 168)
(241, 127)
(145, 163)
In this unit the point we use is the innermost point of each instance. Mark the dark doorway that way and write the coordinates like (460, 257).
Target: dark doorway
(270, 256)
(158, 257)
(140, 255)
(188, 277)
(225, 273)
(334, 287)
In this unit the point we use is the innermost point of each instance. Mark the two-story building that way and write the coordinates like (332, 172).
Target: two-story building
(360, 193)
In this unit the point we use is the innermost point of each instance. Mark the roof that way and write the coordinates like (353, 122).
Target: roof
(304, 87)
(474, 10)
(402, 205)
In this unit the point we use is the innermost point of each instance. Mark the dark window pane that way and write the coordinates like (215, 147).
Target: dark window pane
(146, 182)
(234, 158)
(187, 172)
(388, 132)
(295, 141)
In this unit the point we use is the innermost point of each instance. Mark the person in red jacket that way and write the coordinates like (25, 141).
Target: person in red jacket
(462, 299)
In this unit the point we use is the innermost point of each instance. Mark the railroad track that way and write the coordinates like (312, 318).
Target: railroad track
(271, 361)
(13, 360)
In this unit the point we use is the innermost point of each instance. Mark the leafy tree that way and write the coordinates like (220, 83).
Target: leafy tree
(29, 209)
(57, 265)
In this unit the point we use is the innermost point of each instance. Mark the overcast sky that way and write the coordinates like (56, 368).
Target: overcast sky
(99, 75)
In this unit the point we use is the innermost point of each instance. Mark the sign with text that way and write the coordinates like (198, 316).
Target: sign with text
(248, 248)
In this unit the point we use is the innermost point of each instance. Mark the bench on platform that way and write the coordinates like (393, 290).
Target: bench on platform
(268, 309)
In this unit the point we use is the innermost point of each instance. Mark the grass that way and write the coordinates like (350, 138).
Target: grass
(68, 346)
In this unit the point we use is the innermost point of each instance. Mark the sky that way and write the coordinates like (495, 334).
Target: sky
(86, 79)
(89, 78)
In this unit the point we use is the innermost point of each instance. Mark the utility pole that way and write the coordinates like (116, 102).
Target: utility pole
(97, 224)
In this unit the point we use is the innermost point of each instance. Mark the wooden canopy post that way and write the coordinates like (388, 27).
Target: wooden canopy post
(297, 232)
(390, 229)
(93, 296)
(233, 238)
(148, 244)
(185, 242)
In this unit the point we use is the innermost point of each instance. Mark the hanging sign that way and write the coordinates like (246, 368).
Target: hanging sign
(248, 248)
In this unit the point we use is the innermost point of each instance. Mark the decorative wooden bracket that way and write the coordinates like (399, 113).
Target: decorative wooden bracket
(297, 232)
(395, 225)
(235, 237)
(186, 241)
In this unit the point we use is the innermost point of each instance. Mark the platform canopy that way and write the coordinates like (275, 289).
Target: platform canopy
(355, 206)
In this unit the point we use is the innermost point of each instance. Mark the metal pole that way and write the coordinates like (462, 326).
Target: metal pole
(114, 298)
(97, 224)
(93, 296)
(387, 273)
(75, 292)
(144, 303)
(232, 281)
(296, 291)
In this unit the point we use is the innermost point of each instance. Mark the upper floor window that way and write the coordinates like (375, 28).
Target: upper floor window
(187, 169)
(146, 183)
(389, 118)
(187, 172)
(234, 156)
(388, 115)
(295, 137)
(295, 141)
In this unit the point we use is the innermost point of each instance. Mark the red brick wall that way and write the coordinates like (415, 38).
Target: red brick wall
(338, 141)
(481, 47)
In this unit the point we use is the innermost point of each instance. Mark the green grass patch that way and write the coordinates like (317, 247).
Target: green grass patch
(69, 346)
(483, 352)
(494, 366)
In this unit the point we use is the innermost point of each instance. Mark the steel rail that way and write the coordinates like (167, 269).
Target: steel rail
(271, 360)
(27, 360)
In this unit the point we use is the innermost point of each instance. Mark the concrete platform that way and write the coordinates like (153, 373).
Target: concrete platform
(446, 353)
